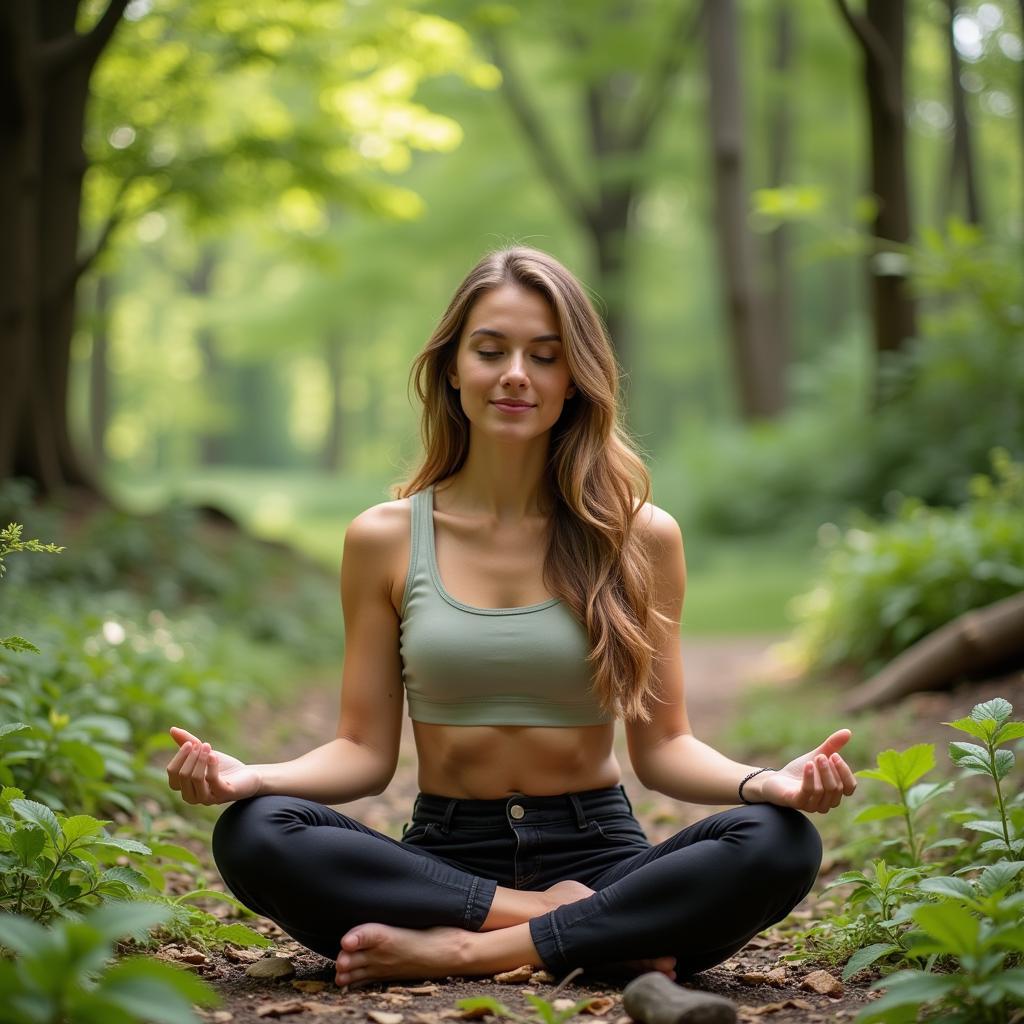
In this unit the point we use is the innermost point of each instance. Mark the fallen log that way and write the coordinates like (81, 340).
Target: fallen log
(653, 998)
(973, 642)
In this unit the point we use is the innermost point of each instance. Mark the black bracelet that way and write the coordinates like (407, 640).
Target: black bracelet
(747, 779)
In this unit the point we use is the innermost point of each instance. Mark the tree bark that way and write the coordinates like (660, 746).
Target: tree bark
(973, 642)
(46, 83)
(99, 369)
(779, 321)
(756, 378)
(961, 162)
(880, 32)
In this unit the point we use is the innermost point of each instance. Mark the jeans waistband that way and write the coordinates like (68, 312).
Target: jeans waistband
(534, 810)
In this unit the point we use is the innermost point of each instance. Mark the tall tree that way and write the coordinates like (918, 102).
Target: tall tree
(961, 164)
(623, 68)
(151, 148)
(758, 375)
(880, 32)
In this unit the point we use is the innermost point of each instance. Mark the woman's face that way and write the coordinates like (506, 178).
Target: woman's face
(511, 348)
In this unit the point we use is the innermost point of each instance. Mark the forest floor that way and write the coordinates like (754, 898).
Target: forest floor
(717, 670)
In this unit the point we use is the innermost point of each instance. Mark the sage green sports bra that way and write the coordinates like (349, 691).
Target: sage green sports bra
(488, 666)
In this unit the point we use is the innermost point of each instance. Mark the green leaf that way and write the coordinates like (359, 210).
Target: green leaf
(999, 876)
(28, 843)
(12, 727)
(1009, 731)
(925, 791)
(880, 812)
(114, 920)
(212, 894)
(24, 937)
(1010, 982)
(240, 935)
(950, 924)
(997, 709)
(969, 755)
(973, 727)
(41, 815)
(123, 874)
(1005, 760)
(994, 828)
(947, 886)
(866, 957)
(128, 845)
(18, 643)
(484, 1003)
(905, 767)
(911, 988)
(180, 853)
(81, 825)
(157, 991)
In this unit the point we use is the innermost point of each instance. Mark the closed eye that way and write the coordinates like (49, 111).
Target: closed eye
(540, 359)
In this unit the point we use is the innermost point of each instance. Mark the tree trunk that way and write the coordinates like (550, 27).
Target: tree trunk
(99, 370)
(961, 162)
(881, 31)
(779, 321)
(333, 459)
(211, 443)
(46, 84)
(756, 379)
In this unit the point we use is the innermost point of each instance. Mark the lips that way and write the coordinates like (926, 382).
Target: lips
(513, 405)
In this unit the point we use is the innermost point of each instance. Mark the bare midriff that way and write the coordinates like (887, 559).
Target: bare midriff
(488, 762)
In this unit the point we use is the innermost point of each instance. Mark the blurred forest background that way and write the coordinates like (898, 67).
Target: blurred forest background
(801, 220)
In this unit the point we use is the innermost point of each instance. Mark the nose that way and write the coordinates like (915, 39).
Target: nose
(516, 371)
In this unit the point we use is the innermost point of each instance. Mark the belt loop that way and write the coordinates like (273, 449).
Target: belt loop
(581, 818)
(446, 825)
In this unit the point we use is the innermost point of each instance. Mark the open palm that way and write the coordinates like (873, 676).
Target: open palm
(816, 781)
(206, 776)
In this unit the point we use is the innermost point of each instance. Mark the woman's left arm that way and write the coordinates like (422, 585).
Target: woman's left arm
(669, 759)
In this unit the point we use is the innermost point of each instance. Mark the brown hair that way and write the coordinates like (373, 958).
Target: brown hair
(594, 561)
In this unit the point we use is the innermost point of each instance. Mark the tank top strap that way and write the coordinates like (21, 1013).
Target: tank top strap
(419, 568)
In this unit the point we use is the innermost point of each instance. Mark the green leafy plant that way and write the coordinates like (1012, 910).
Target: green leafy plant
(989, 723)
(10, 541)
(901, 769)
(62, 976)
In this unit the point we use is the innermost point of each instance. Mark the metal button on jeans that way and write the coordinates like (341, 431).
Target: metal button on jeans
(516, 811)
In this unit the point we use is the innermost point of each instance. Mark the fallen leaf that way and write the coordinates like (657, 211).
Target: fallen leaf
(414, 990)
(524, 973)
(281, 1009)
(822, 982)
(383, 1017)
(599, 1005)
(243, 956)
(310, 987)
(542, 977)
(754, 978)
(395, 998)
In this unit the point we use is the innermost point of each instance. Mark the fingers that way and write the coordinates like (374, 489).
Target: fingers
(826, 781)
(187, 770)
(180, 735)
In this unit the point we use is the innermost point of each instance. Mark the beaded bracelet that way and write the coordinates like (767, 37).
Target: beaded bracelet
(747, 779)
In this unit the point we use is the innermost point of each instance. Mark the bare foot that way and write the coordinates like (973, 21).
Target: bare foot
(569, 891)
(377, 951)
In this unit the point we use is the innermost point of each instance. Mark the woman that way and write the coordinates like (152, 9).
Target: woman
(525, 595)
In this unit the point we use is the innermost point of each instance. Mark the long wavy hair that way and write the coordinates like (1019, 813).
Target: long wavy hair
(598, 482)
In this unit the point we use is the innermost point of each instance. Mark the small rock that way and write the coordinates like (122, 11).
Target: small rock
(777, 976)
(561, 1004)
(754, 978)
(542, 977)
(823, 983)
(524, 973)
(271, 967)
(599, 1005)
(244, 955)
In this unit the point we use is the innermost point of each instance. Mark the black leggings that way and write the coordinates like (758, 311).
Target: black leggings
(699, 896)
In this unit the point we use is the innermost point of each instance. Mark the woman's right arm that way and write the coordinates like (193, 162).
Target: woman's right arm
(362, 758)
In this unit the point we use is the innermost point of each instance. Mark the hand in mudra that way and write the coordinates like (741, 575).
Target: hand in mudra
(815, 781)
(206, 776)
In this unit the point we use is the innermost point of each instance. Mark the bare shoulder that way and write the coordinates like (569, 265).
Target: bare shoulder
(658, 528)
(377, 545)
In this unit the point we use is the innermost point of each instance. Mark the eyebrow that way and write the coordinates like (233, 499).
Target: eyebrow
(491, 333)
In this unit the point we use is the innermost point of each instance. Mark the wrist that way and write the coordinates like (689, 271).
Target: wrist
(751, 787)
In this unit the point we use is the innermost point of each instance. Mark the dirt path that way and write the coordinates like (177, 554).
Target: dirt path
(716, 672)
